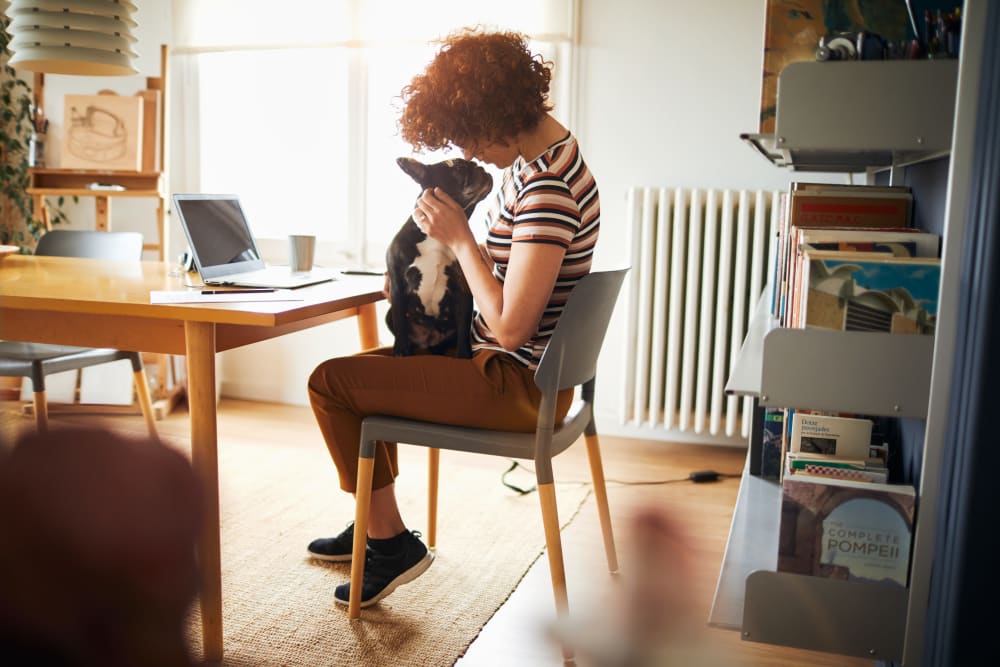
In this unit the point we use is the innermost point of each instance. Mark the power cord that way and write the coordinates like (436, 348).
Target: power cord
(696, 476)
(514, 465)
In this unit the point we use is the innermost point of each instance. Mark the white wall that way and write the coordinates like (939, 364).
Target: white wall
(667, 88)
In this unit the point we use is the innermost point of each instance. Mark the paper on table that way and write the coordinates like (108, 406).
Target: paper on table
(195, 296)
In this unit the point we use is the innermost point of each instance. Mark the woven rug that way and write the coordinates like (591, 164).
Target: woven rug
(278, 606)
(279, 491)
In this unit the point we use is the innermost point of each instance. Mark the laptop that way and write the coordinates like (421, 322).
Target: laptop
(223, 247)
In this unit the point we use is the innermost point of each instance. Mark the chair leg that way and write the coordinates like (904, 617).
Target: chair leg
(41, 404)
(433, 463)
(601, 496)
(366, 470)
(145, 402)
(553, 544)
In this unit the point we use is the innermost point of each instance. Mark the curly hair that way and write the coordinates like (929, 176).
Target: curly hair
(481, 88)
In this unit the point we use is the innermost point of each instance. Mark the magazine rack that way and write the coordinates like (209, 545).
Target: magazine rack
(810, 368)
(903, 131)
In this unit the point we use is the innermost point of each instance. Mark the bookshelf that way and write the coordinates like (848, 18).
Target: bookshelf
(903, 137)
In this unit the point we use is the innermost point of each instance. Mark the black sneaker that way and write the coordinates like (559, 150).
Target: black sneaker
(407, 559)
(334, 549)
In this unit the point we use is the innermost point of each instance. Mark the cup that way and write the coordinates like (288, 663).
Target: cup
(301, 250)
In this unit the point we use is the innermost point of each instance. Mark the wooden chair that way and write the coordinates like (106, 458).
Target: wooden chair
(570, 360)
(37, 360)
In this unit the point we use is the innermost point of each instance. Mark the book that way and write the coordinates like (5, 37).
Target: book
(862, 470)
(823, 470)
(907, 242)
(848, 530)
(844, 437)
(770, 451)
(869, 292)
(826, 205)
(915, 242)
(862, 206)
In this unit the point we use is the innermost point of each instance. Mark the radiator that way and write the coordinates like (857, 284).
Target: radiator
(699, 264)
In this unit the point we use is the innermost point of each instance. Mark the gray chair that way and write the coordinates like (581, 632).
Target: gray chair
(569, 360)
(37, 360)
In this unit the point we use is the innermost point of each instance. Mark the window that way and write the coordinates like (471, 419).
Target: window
(272, 126)
(305, 131)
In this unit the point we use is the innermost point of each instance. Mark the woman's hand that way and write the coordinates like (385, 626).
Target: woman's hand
(514, 309)
(442, 219)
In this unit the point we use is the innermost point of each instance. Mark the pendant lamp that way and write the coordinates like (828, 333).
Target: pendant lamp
(90, 37)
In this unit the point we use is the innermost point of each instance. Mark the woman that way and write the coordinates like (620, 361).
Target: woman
(487, 95)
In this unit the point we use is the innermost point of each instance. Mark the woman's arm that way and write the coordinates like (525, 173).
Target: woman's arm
(512, 310)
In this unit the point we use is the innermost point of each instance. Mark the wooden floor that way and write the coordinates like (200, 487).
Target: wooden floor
(669, 567)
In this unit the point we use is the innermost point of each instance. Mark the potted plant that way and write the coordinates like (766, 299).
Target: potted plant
(18, 224)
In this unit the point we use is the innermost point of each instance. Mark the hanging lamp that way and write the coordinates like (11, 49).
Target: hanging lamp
(89, 37)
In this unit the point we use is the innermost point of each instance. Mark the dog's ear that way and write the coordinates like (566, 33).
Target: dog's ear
(415, 169)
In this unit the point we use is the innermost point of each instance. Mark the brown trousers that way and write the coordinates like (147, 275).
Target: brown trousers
(491, 390)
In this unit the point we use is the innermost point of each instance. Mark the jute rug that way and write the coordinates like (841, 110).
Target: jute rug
(278, 606)
(279, 491)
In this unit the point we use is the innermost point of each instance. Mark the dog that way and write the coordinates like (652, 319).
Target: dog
(430, 304)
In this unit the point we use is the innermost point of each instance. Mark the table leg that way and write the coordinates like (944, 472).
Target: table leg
(367, 326)
(200, 348)
(161, 229)
(102, 214)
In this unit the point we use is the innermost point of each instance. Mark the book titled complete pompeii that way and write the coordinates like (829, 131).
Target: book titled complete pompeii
(848, 530)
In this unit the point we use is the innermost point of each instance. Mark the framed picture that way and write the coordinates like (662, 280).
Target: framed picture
(102, 132)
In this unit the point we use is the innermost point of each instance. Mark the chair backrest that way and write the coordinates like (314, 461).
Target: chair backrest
(91, 244)
(570, 358)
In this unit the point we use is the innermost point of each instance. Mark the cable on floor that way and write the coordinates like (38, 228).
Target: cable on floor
(696, 476)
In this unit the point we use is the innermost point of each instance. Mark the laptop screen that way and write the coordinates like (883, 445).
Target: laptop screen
(218, 234)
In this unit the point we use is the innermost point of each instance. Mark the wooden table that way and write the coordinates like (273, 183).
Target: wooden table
(106, 304)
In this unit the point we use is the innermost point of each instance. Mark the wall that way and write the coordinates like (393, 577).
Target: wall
(666, 89)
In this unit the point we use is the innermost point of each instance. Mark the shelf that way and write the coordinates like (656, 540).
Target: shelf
(88, 192)
(862, 619)
(847, 617)
(856, 115)
(62, 181)
(839, 371)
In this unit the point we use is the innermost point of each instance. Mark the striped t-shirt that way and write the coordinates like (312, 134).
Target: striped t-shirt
(552, 199)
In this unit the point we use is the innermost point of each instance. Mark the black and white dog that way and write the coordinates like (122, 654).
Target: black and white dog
(430, 302)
